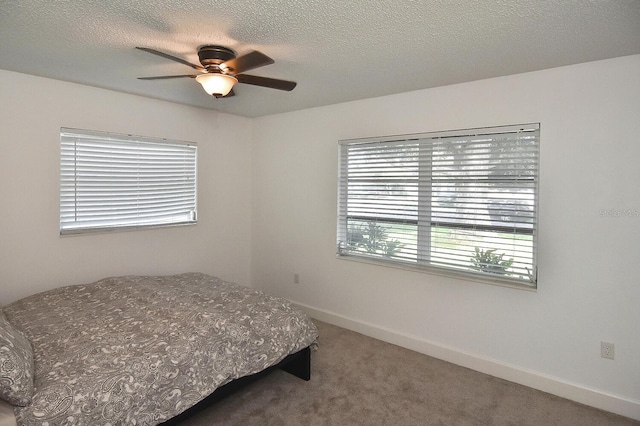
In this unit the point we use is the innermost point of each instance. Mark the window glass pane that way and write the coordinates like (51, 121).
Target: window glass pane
(385, 240)
(512, 254)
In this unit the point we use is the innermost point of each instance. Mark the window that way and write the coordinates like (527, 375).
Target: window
(462, 202)
(111, 181)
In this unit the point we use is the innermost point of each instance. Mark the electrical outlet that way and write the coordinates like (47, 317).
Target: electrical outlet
(607, 350)
(296, 279)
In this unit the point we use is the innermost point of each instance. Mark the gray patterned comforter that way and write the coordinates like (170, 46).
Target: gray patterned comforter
(140, 350)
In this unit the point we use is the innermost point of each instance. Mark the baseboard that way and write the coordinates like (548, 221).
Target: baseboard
(532, 379)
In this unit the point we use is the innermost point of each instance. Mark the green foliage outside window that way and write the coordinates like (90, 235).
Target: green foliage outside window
(372, 238)
(489, 261)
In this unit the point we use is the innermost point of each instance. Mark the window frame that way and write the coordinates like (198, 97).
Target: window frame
(87, 166)
(423, 261)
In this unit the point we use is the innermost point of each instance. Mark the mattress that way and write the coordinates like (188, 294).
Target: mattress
(140, 350)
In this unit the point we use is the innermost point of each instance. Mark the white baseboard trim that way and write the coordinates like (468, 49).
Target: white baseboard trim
(533, 379)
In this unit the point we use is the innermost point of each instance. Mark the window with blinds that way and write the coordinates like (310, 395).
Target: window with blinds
(462, 202)
(112, 182)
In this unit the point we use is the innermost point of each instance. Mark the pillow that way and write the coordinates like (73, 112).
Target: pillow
(16, 365)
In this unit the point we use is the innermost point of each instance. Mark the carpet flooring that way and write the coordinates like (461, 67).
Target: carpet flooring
(357, 380)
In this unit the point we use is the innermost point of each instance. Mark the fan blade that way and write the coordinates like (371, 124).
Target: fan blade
(271, 83)
(247, 62)
(173, 58)
(164, 77)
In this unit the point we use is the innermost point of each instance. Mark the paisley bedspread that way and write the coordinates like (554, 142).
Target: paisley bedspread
(139, 350)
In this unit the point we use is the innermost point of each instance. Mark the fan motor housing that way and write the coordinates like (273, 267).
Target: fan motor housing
(212, 55)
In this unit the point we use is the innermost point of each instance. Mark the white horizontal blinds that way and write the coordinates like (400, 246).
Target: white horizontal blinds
(381, 199)
(110, 181)
(484, 198)
(431, 199)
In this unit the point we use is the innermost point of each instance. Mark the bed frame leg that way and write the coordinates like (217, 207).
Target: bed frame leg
(300, 365)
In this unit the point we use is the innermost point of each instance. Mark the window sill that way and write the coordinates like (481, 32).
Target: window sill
(105, 230)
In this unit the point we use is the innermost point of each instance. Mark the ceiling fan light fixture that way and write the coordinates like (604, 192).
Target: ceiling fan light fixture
(216, 83)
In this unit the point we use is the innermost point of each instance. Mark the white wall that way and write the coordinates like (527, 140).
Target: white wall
(589, 264)
(34, 257)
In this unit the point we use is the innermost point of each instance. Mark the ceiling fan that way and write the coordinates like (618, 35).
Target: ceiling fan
(221, 69)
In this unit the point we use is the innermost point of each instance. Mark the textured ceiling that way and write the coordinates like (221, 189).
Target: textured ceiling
(336, 50)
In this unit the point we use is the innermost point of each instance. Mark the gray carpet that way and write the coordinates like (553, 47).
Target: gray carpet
(357, 380)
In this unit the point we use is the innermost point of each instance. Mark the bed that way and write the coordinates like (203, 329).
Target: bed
(141, 350)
